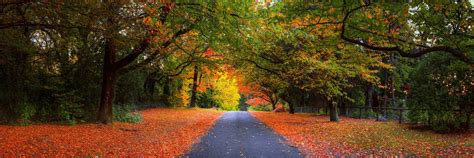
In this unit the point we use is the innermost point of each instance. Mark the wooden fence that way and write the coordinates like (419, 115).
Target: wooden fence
(379, 111)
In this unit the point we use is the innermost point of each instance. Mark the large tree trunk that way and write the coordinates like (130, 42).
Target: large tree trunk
(194, 88)
(109, 73)
(291, 108)
(287, 99)
(105, 110)
(293, 93)
(333, 112)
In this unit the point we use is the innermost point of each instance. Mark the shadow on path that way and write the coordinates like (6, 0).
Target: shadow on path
(238, 134)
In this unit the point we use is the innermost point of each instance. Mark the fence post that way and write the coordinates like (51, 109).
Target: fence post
(360, 112)
(378, 111)
(400, 115)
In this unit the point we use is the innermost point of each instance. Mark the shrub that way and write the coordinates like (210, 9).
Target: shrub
(26, 112)
(243, 102)
(205, 100)
(69, 109)
(441, 87)
(370, 114)
(260, 107)
(123, 113)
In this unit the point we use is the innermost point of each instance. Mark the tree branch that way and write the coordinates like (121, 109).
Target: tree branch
(49, 26)
(417, 52)
(189, 62)
(13, 2)
(261, 67)
(132, 56)
(153, 57)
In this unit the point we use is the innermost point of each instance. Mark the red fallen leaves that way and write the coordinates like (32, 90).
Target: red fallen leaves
(316, 136)
(163, 133)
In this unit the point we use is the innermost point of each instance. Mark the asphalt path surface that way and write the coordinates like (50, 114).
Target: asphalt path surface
(239, 134)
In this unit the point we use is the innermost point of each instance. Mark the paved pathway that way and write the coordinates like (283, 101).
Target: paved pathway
(239, 134)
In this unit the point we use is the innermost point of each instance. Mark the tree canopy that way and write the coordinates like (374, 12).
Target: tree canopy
(74, 62)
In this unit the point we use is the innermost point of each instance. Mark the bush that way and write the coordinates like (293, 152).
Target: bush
(124, 113)
(26, 113)
(205, 100)
(370, 114)
(260, 107)
(69, 109)
(243, 102)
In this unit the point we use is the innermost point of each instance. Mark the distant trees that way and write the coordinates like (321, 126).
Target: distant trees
(303, 58)
(226, 92)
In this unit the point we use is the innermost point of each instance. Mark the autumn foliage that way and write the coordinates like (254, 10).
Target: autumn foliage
(316, 136)
(163, 133)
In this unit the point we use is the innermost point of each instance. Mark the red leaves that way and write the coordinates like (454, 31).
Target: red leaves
(163, 133)
(256, 101)
(316, 136)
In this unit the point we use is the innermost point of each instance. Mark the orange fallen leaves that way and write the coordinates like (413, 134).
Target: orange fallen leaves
(162, 133)
(316, 136)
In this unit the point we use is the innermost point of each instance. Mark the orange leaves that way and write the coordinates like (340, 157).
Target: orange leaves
(369, 16)
(296, 23)
(147, 20)
(316, 136)
(163, 133)
(438, 7)
(158, 24)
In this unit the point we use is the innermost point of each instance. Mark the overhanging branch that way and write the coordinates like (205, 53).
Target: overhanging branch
(417, 52)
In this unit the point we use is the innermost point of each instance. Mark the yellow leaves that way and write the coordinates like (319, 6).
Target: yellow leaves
(277, 14)
(369, 75)
(184, 92)
(340, 45)
(227, 92)
(297, 22)
(378, 11)
(384, 65)
(406, 11)
(332, 10)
